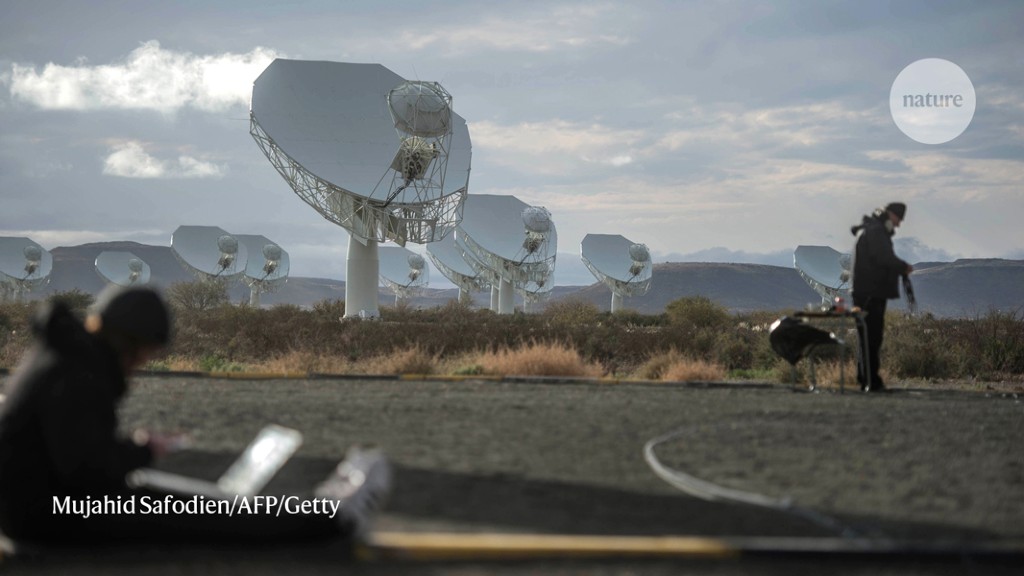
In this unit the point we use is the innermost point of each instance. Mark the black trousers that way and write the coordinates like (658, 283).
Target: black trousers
(872, 330)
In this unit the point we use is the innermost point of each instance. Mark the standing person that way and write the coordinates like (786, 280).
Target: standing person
(59, 439)
(876, 276)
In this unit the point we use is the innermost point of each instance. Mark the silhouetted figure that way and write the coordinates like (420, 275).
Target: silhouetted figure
(876, 277)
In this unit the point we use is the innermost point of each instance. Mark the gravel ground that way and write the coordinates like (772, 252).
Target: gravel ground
(567, 458)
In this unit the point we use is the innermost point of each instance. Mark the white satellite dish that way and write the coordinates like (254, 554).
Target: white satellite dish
(825, 269)
(122, 268)
(24, 266)
(621, 265)
(210, 253)
(382, 157)
(512, 244)
(267, 267)
(403, 271)
(446, 256)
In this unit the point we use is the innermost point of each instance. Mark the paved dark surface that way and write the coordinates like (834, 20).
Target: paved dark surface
(567, 458)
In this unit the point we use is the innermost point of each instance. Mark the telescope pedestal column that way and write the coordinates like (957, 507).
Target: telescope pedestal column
(506, 298)
(616, 302)
(361, 278)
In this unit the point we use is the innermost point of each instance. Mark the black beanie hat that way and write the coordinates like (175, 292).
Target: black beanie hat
(135, 315)
(897, 208)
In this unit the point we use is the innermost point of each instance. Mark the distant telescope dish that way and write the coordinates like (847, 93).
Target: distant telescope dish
(447, 257)
(267, 274)
(826, 271)
(24, 266)
(122, 268)
(402, 271)
(210, 253)
(621, 265)
(512, 242)
(384, 158)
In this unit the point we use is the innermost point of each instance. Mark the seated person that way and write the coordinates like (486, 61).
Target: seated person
(59, 438)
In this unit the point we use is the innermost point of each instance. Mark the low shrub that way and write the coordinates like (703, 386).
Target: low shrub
(690, 369)
(537, 359)
(414, 360)
(571, 338)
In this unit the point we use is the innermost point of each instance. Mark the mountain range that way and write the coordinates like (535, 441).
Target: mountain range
(963, 288)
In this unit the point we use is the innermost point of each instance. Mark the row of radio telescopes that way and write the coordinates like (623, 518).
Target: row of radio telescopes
(212, 254)
(388, 160)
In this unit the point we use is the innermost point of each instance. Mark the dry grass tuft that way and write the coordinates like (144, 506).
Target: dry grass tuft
(173, 363)
(675, 366)
(657, 364)
(828, 374)
(304, 361)
(689, 369)
(536, 359)
(415, 360)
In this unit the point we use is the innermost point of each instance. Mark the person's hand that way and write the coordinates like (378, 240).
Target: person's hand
(162, 444)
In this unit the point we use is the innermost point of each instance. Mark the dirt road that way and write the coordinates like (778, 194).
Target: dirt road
(567, 458)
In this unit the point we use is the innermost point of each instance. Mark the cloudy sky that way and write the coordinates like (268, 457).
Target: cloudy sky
(726, 131)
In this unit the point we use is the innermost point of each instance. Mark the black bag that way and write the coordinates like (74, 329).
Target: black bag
(793, 339)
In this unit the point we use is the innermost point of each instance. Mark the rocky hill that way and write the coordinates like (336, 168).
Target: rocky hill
(965, 288)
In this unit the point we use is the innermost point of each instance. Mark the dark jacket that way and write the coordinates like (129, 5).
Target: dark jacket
(876, 268)
(58, 426)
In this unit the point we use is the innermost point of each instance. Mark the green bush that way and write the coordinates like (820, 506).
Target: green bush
(197, 296)
(697, 312)
(224, 337)
(76, 300)
(571, 312)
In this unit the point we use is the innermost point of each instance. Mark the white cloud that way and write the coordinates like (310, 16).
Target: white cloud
(554, 147)
(130, 160)
(796, 126)
(150, 78)
(569, 26)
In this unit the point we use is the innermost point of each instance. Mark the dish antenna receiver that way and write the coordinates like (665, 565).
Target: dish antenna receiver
(267, 267)
(826, 270)
(619, 264)
(210, 253)
(513, 243)
(24, 266)
(382, 157)
(403, 271)
(446, 255)
(122, 268)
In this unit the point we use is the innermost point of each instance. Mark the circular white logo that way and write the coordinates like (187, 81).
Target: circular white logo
(932, 101)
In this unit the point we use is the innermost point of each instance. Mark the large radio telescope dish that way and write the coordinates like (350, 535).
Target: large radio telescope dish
(512, 242)
(267, 267)
(382, 157)
(826, 271)
(403, 271)
(447, 257)
(122, 268)
(210, 253)
(621, 265)
(24, 266)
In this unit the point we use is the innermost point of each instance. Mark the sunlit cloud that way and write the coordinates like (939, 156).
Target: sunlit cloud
(130, 160)
(569, 26)
(150, 78)
(554, 147)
